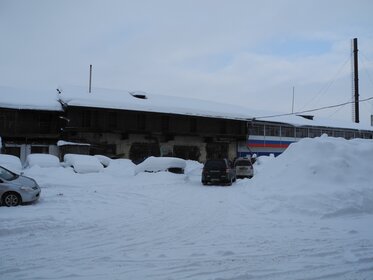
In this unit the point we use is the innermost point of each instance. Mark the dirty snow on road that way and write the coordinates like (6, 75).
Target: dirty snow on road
(307, 214)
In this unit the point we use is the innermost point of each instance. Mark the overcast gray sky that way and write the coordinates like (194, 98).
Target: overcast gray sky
(241, 52)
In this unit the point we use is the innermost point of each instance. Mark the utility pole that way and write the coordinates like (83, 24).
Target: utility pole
(90, 78)
(356, 81)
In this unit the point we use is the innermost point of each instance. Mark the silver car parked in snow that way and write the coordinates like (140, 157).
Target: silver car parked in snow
(244, 168)
(16, 189)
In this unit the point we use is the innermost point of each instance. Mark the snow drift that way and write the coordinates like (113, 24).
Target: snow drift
(306, 214)
(324, 176)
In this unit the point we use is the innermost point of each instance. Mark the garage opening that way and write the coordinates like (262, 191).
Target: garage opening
(140, 151)
(187, 152)
(216, 150)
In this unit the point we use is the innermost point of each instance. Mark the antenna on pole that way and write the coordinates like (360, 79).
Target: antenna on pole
(292, 104)
(90, 78)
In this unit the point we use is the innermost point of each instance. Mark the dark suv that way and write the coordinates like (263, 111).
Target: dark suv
(220, 171)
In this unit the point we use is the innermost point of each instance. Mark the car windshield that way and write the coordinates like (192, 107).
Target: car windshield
(7, 175)
(243, 163)
(215, 164)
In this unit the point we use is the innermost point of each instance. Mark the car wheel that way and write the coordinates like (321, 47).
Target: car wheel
(204, 183)
(11, 199)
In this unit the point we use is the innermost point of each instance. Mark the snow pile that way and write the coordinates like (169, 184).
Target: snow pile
(83, 163)
(42, 160)
(105, 161)
(305, 215)
(121, 168)
(156, 164)
(193, 166)
(11, 162)
(324, 176)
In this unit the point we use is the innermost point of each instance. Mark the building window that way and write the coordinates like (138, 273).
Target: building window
(287, 131)
(349, 134)
(314, 132)
(256, 129)
(339, 133)
(329, 132)
(301, 132)
(367, 135)
(272, 130)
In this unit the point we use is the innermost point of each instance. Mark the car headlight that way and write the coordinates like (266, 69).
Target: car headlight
(27, 189)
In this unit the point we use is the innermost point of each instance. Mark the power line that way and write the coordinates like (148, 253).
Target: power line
(313, 110)
(366, 68)
(328, 85)
(336, 111)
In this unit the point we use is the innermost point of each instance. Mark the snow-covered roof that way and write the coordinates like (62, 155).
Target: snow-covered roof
(13, 98)
(148, 102)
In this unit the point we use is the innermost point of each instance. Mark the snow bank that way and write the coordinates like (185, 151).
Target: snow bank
(83, 163)
(42, 160)
(121, 168)
(105, 161)
(306, 214)
(325, 176)
(11, 162)
(156, 164)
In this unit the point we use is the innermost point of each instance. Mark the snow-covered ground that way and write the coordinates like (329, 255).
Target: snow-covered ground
(307, 214)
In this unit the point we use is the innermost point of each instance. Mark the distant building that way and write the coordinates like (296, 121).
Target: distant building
(136, 125)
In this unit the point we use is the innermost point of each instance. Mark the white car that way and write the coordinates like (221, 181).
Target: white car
(244, 168)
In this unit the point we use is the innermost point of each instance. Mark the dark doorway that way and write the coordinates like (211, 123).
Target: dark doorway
(140, 151)
(15, 151)
(216, 150)
(187, 152)
(40, 149)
